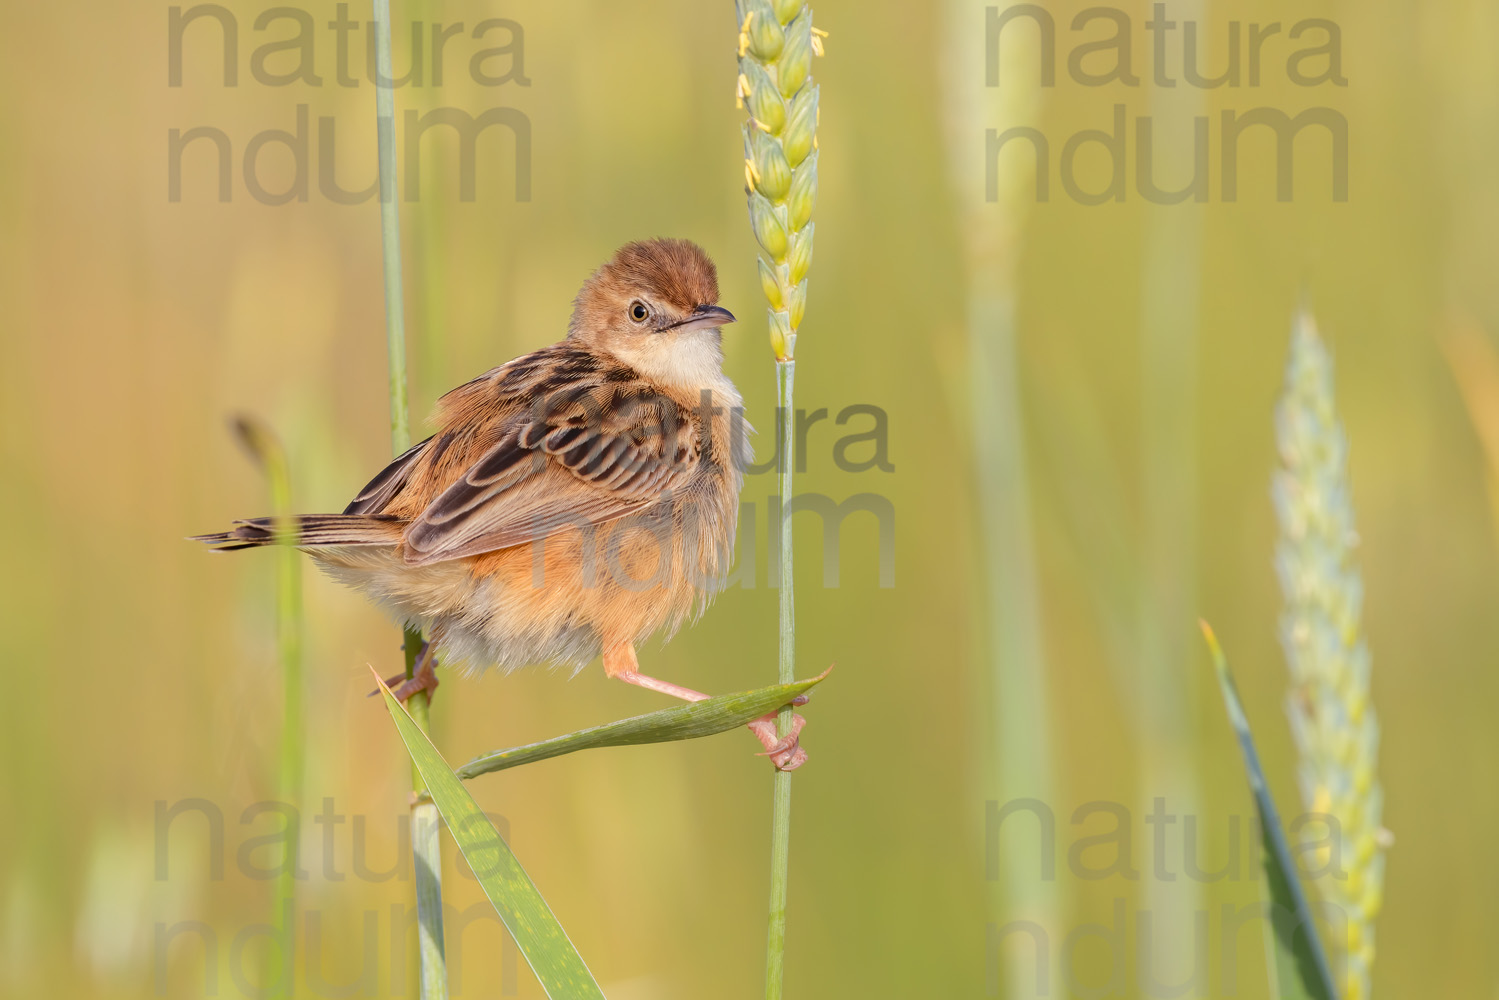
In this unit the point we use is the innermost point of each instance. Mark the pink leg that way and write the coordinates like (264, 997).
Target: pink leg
(787, 754)
(424, 678)
(656, 684)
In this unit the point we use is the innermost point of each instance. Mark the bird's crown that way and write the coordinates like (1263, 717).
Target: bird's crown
(674, 273)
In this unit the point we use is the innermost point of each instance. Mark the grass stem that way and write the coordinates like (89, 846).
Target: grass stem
(425, 824)
(1166, 591)
(268, 453)
(1014, 706)
(293, 734)
(780, 824)
(390, 232)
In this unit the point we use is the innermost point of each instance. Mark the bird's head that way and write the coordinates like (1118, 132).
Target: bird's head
(654, 305)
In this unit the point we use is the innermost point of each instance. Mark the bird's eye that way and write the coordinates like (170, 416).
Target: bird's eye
(638, 312)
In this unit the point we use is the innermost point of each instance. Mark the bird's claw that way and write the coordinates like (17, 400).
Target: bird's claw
(786, 753)
(787, 759)
(403, 687)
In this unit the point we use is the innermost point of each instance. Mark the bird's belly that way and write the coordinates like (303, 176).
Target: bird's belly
(559, 601)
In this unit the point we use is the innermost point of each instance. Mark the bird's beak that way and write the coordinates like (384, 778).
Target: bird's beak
(706, 318)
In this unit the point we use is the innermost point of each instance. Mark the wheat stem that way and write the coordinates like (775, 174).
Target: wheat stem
(776, 45)
(780, 828)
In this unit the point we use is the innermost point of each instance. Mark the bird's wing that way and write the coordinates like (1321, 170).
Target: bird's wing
(377, 495)
(578, 449)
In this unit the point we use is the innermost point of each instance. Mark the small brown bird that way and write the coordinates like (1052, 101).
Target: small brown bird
(573, 501)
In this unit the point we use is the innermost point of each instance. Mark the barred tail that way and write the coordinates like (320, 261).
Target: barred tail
(309, 531)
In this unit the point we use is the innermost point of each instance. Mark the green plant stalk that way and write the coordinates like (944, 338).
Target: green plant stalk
(390, 233)
(426, 844)
(1170, 280)
(293, 737)
(780, 822)
(1017, 709)
(271, 457)
(776, 46)
(1011, 670)
(430, 237)
(425, 826)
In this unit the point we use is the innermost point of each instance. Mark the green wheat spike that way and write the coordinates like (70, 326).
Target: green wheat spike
(776, 46)
(1332, 718)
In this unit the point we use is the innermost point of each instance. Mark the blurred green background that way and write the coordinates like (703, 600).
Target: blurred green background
(1149, 348)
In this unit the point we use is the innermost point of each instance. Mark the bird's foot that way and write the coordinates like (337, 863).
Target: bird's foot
(785, 753)
(423, 679)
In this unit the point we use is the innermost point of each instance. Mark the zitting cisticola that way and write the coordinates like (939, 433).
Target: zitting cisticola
(573, 501)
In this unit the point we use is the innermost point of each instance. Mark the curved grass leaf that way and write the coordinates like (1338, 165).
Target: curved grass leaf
(516, 899)
(1299, 961)
(682, 722)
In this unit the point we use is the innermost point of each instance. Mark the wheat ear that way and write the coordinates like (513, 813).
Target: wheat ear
(1332, 718)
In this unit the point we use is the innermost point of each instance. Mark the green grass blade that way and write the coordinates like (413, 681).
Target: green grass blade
(1300, 963)
(682, 722)
(515, 897)
(266, 450)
